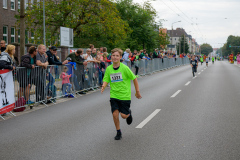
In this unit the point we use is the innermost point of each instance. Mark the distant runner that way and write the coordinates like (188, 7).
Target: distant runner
(201, 60)
(194, 65)
(213, 60)
(207, 61)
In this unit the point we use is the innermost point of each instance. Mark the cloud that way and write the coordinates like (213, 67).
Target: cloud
(205, 19)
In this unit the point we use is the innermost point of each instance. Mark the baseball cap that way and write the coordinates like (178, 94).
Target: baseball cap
(53, 48)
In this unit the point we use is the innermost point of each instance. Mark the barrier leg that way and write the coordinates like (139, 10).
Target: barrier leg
(2, 117)
(12, 114)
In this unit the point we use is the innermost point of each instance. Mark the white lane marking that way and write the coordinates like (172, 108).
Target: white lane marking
(199, 73)
(202, 70)
(148, 118)
(194, 77)
(175, 94)
(188, 83)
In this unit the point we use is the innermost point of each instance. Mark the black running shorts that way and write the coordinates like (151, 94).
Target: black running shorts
(120, 105)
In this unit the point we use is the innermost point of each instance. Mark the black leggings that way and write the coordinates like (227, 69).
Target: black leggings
(136, 72)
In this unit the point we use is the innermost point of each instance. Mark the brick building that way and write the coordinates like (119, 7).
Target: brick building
(8, 10)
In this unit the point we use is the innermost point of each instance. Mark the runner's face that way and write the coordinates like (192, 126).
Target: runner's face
(116, 57)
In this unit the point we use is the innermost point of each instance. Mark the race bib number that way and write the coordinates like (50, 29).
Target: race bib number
(116, 77)
(193, 63)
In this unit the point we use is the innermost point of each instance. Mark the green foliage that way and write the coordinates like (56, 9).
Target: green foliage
(141, 20)
(232, 41)
(183, 43)
(206, 49)
(93, 22)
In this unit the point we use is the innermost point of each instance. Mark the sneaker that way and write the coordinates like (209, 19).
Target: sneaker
(65, 96)
(29, 102)
(129, 119)
(118, 136)
(71, 96)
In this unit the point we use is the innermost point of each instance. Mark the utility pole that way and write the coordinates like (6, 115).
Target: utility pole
(22, 28)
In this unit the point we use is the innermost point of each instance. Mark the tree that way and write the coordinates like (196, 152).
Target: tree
(232, 43)
(206, 49)
(141, 20)
(93, 22)
(183, 43)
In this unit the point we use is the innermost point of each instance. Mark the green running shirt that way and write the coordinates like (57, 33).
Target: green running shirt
(120, 81)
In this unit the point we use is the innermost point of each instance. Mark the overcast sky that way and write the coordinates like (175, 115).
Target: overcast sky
(208, 21)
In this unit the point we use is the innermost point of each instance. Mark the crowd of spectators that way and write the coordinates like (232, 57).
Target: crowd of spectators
(87, 66)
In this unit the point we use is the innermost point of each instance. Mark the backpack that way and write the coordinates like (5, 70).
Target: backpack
(20, 105)
(109, 56)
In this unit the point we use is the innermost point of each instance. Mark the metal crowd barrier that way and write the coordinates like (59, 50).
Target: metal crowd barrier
(41, 85)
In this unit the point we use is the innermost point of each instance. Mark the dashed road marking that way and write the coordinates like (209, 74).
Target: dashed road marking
(144, 122)
(175, 94)
(188, 83)
(202, 70)
(199, 73)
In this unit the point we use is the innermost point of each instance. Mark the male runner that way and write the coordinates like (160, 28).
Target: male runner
(212, 60)
(119, 76)
(194, 65)
(207, 61)
(201, 60)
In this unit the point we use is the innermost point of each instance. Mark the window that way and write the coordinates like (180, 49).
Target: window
(5, 4)
(5, 34)
(12, 4)
(12, 35)
(18, 4)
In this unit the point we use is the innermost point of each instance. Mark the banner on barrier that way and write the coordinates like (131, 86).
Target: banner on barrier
(7, 102)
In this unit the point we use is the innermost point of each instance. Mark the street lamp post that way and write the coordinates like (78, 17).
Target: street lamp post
(172, 34)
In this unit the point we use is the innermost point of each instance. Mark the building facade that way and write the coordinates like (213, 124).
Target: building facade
(175, 36)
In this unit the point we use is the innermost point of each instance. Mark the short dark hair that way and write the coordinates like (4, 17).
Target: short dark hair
(104, 49)
(32, 49)
(79, 51)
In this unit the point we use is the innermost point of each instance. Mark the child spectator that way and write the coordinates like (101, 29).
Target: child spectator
(66, 83)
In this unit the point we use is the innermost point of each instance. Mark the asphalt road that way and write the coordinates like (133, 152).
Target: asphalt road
(195, 119)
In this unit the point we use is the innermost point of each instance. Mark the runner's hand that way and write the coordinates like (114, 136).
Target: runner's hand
(138, 95)
(102, 89)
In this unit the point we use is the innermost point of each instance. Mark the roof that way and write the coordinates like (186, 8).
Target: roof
(178, 33)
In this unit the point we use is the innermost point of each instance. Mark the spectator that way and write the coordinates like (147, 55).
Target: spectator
(90, 60)
(78, 58)
(26, 79)
(42, 62)
(91, 46)
(126, 56)
(151, 55)
(3, 45)
(155, 55)
(66, 83)
(52, 59)
(94, 52)
(7, 58)
(101, 50)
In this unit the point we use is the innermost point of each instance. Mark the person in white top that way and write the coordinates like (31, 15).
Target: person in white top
(207, 61)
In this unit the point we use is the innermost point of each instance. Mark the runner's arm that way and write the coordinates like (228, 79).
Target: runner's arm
(138, 95)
